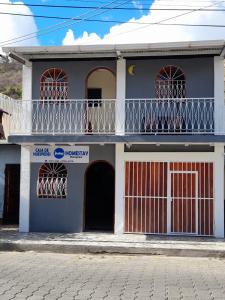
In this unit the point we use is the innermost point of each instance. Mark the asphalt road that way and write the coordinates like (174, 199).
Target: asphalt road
(65, 276)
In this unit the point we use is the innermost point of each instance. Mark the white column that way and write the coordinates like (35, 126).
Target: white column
(219, 190)
(24, 220)
(120, 96)
(119, 189)
(27, 99)
(219, 95)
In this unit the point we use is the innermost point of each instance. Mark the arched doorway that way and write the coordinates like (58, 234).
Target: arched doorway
(101, 94)
(99, 197)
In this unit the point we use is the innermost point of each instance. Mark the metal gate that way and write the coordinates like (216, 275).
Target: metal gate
(183, 202)
(169, 197)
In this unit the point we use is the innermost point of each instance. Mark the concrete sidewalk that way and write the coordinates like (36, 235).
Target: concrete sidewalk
(12, 240)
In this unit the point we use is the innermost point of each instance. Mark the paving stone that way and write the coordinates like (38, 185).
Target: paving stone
(88, 277)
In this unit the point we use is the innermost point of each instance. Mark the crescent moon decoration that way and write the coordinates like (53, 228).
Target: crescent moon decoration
(131, 70)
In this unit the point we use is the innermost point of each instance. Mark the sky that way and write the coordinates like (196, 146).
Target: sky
(130, 26)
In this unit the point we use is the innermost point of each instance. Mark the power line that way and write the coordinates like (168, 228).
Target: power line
(61, 25)
(117, 21)
(112, 8)
(79, 19)
(167, 19)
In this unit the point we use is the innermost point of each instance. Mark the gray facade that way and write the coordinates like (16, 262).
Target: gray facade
(9, 154)
(199, 72)
(77, 72)
(65, 215)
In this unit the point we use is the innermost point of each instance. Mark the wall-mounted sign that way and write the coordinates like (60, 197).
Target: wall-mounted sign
(67, 154)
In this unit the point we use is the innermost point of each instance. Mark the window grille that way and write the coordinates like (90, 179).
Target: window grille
(170, 83)
(52, 181)
(54, 85)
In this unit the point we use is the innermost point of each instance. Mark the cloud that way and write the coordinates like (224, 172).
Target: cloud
(15, 26)
(131, 31)
(137, 4)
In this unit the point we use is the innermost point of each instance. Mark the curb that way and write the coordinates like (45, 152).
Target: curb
(111, 249)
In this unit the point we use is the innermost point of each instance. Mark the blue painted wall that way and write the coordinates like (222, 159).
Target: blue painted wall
(65, 215)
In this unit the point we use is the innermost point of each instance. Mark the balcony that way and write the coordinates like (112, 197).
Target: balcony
(110, 116)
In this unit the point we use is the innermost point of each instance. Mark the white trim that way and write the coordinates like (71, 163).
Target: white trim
(120, 96)
(219, 191)
(219, 94)
(24, 219)
(170, 156)
(119, 190)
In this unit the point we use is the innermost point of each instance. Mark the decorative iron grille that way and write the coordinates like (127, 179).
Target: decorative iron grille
(54, 85)
(52, 181)
(170, 83)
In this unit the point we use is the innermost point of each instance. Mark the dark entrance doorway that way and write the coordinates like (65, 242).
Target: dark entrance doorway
(100, 190)
(12, 194)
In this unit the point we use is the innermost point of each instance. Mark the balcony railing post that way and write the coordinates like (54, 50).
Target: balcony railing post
(120, 96)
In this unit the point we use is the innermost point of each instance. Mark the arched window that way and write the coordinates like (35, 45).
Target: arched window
(54, 85)
(52, 181)
(170, 83)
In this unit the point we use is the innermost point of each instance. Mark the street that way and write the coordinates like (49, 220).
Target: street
(37, 276)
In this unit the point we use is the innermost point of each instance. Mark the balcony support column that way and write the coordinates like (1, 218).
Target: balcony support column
(24, 218)
(119, 189)
(120, 96)
(26, 117)
(219, 109)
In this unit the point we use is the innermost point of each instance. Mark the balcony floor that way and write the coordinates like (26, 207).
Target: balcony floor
(139, 138)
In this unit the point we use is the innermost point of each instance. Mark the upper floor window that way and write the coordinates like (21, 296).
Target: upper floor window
(54, 85)
(52, 181)
(170, 83)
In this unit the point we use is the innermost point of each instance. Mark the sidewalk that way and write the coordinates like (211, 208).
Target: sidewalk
(12, 240)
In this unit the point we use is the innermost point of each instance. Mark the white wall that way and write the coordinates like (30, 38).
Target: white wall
(9, 154)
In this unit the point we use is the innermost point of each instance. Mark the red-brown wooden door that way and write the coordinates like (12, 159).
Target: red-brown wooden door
(183, 206)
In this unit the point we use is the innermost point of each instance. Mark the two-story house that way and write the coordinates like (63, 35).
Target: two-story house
(126, 138)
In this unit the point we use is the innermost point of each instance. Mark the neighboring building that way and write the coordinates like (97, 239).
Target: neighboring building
(127, 138)
(9, 167)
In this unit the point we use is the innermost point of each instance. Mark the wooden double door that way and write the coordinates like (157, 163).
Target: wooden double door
(12, 194)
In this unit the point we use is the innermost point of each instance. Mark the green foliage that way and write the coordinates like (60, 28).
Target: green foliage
(11, 79)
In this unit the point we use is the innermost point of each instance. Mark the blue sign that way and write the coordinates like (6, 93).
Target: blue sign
(59, 153)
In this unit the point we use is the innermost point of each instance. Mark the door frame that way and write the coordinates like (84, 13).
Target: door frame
(169, 201)
(85, 190)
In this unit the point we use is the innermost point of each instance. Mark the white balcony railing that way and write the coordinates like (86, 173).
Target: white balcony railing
(105, 116)
(195, 115)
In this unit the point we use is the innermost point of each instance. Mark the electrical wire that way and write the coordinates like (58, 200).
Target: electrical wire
(61, 26)
(112, 8)
(164, 20)
(79, 19)
(119, 21)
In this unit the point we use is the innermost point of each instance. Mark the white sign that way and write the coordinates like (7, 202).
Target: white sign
(67, 154)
